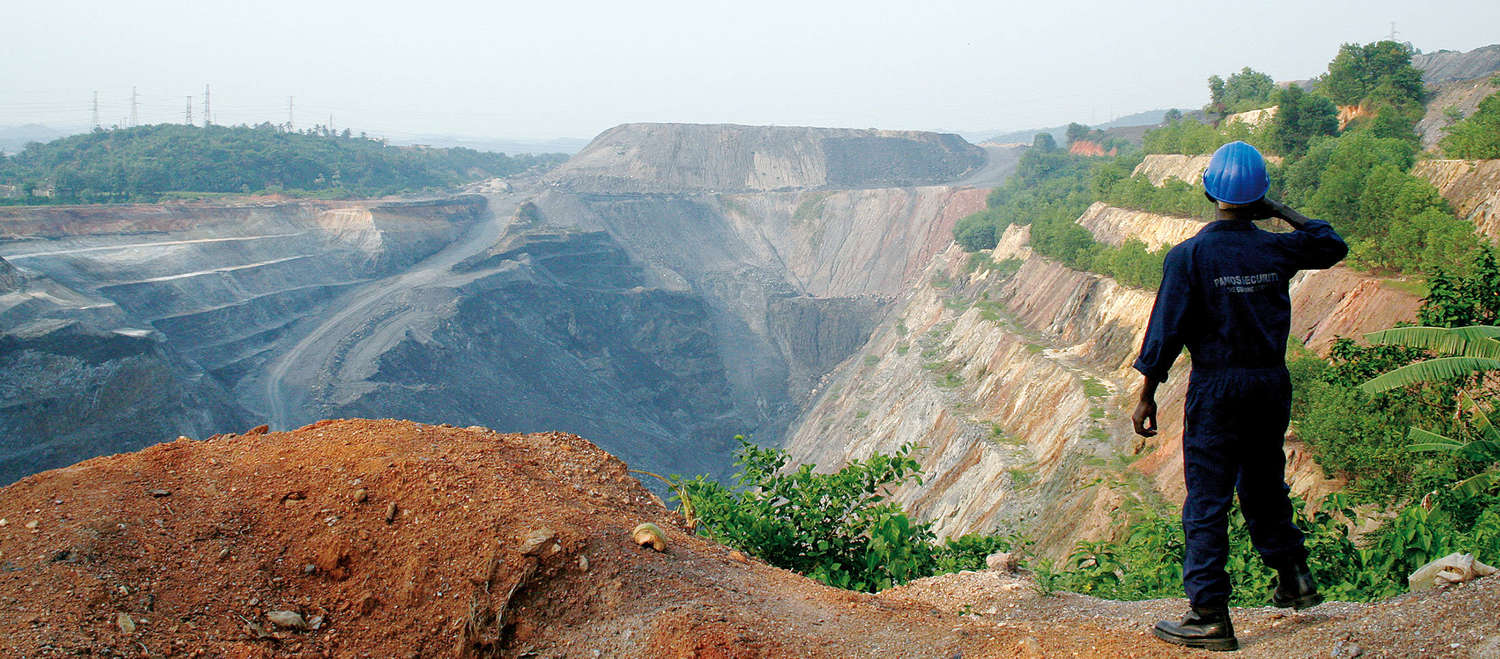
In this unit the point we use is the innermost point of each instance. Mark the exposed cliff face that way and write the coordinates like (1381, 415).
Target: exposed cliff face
(1158, 167)
(674, 158)
(1471, 186)
(1113, 226)
(795, 280)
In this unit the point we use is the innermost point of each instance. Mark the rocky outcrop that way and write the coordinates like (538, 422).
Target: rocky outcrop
(679, 158)
(1158, 167)
(1113, 226)
(1253, 118)
(1471, 186)
(10, 278)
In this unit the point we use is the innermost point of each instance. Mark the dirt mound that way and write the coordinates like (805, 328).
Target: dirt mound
(396, 539)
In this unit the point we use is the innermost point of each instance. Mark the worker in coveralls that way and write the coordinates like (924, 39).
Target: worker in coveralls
(1223, 296)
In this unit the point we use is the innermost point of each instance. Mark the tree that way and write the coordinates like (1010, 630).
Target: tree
(1044, 142)
(1076, 131)
(1380, 72)
(1216, 95)
(1247, 90)
(1299, 118)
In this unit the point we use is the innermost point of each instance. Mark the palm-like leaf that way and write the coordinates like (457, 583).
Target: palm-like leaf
(1431, 370)
(1425, 441)
(1472, 341)
(1479, 483)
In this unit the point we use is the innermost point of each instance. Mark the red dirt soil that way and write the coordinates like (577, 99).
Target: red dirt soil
(193, 543)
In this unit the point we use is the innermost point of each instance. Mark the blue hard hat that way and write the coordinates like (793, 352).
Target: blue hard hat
(1237, 174)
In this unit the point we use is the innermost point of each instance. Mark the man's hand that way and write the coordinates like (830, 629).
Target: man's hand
(1277, 209)
(1145, 417)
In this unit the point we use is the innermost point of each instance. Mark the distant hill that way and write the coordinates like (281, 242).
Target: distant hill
(147, 163)
(675, 158)
(1449, 65)
(1129, 121)
(564, 145)
(15, 138)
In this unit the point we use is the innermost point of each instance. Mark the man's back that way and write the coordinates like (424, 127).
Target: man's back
(1224, 295)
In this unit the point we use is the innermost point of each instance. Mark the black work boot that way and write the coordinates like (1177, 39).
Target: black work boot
(1206, 627)
(1295, 588)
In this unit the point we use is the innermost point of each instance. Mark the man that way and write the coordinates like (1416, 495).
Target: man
(1224, 297)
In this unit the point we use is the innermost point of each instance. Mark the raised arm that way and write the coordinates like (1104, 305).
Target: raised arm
(1314, 245)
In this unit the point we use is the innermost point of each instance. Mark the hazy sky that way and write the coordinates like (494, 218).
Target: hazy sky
(572, 69)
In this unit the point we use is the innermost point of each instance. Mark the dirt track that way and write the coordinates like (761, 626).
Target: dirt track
(367, 311)
(193, 543)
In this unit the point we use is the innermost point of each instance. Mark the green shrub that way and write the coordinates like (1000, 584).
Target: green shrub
(1478, 136)
(837, 528)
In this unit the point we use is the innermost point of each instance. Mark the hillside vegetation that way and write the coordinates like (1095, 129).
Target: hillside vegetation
(1357, 178)
(149, 163)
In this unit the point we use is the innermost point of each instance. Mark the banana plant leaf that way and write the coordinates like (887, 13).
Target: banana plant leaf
(1431, 370)
(1473, 341)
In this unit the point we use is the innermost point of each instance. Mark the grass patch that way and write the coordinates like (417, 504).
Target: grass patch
(901, 326)
(902, 348)
(941, 281)
(871, 360)
(861, 414)
(1413, 287)
(1096, 433)
(1096, 413)
(1094, 388)
(811, 207)
(1035, 348)
(734, 206)
(1021, 476)
(956, 305)
(978, 261)
(945, 373)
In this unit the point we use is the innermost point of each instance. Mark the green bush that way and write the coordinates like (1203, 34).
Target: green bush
(837, 528)
(1478, 136)
(1191, 137)
(1300, 117)
(1375, 73)
(1172, 197)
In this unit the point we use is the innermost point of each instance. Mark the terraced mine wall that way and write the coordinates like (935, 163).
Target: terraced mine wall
(670, 287)
(123, 326)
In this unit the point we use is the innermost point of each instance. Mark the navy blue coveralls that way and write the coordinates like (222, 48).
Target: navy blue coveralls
(1224, 296)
